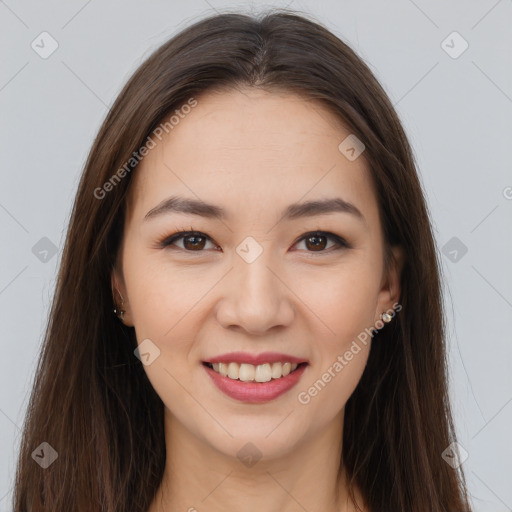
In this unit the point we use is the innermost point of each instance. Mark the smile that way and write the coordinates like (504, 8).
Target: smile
(255, 378)
(251, 373)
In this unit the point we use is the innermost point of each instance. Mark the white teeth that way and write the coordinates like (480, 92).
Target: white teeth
(276, 370)
(246, 372)
(223, 369)
(250, 373)
(233, 370)
(263, 373)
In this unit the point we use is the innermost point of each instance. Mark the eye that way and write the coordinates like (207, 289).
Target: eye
(195, 241)
(317, 240)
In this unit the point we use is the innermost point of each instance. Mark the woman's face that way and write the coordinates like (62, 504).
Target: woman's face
(254, 284)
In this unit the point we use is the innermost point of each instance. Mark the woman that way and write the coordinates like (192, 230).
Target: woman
(251, 211)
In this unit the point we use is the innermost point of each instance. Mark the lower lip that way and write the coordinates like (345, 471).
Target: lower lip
(255, 392)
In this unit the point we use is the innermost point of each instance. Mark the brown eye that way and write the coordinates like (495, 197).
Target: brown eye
(192, 241)
(318, 241)
(195, 241)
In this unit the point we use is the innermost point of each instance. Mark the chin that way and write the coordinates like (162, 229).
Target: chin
(271, 436)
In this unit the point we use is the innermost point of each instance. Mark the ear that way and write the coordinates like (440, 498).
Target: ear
(389, 293)
(120, 295)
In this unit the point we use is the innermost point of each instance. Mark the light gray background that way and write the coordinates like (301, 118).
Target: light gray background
(456, 111)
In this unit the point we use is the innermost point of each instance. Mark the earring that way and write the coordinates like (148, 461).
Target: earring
(386, 317)
(120, 312)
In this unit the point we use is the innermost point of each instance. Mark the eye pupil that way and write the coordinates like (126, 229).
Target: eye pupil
(317, 245)
(194, 244)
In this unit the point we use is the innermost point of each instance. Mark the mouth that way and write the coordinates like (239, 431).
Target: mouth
(246, 382)
(254, 373)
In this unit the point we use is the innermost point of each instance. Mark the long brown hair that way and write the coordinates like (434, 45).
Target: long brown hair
(91, 399)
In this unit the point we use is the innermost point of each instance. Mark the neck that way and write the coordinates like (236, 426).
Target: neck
(199, 477)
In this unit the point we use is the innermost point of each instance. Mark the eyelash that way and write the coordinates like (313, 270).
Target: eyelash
(169, 240)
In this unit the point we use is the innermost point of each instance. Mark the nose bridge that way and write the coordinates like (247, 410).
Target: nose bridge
(256, 299)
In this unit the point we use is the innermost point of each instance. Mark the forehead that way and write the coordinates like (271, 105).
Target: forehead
(251, 150)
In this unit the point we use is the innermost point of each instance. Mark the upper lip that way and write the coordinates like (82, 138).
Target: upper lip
(255, 359)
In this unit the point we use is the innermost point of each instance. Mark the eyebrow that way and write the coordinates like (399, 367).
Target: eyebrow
(294, 211)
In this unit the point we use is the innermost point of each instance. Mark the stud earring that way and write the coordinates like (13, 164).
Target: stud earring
(386, 317)
(120, 312)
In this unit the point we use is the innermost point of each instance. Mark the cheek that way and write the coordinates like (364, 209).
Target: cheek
(164, 306)
(325, 393)
(163, 298)
(340, 358)
(343, 299)
(345, 304)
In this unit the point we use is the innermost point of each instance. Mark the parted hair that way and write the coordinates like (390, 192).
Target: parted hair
(91, 399)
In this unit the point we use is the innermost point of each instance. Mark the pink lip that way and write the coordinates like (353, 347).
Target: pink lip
(255, 392)
(264, 357)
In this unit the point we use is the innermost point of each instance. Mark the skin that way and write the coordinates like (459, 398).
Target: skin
(253, 153)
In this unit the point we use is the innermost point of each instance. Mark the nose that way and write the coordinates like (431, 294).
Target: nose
(255, 298)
